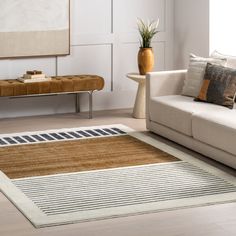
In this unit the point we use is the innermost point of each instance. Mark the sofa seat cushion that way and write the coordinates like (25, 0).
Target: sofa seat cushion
(216, 128)
(175, 111)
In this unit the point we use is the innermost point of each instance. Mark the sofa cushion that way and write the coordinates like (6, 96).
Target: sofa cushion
(195, 74)
(175, 111)
(216, 128)
(219, 86)
(231, 60)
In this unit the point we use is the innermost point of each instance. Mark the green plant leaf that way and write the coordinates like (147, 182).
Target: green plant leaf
(147, 31)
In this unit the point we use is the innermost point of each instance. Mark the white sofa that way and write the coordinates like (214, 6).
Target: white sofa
(205, 128)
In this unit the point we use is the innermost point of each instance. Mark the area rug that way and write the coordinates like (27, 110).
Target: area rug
(64, 176)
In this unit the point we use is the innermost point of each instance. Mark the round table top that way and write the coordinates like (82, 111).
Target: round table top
(136, 77)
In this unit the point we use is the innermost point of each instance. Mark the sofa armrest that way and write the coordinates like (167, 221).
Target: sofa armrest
(161, 84)
(165, 83)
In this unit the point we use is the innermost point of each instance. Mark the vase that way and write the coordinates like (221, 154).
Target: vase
(145, 60)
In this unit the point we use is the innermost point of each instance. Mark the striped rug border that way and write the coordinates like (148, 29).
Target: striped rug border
(65, 134)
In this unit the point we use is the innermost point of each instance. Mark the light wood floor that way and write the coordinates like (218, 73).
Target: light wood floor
(203, 221)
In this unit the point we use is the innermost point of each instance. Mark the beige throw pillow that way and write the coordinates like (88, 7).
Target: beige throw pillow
(195, 74)
(230, 60)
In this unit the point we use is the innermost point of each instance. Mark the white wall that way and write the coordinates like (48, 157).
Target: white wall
(222, 26)
(104, 41)
(191, 30)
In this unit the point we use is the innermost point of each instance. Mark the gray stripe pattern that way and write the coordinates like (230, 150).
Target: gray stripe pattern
(114, 188)
(9, 140)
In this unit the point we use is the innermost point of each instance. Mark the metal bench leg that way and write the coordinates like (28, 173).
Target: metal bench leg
(77, 103)
(90, 104)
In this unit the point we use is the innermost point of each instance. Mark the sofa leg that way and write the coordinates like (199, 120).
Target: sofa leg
(77, 103)
(90, 104)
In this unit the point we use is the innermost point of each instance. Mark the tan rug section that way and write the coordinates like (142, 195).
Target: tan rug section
(79, 155)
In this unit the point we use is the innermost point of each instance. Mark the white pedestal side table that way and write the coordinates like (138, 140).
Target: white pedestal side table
(140, 103)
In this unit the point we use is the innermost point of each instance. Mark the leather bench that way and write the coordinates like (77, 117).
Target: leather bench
(70, 84)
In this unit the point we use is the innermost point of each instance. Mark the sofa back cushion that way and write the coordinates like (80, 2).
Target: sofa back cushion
(230, 60)
(195, 74)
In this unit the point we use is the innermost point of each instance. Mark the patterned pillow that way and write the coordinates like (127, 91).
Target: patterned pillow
(219, 86)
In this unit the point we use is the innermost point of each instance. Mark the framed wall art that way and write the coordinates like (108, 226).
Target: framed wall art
(34, 28)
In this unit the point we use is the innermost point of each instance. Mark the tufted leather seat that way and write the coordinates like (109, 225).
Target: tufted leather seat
(58, 84)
